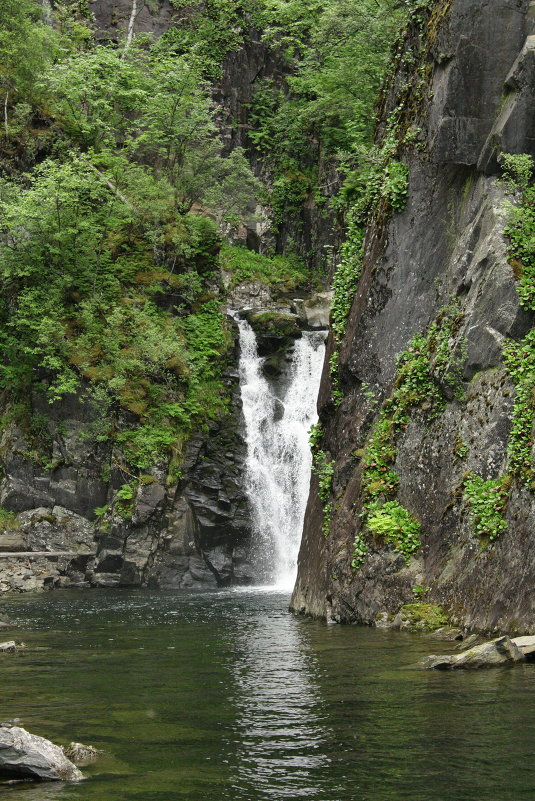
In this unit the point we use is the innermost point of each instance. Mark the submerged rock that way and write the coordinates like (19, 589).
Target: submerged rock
(26, 756)
(81, 754)
(502, 651)
(448, 633)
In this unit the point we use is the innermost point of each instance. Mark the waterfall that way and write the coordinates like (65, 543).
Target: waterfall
(278, 415)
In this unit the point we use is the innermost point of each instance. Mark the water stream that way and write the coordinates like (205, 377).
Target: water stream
(278, 415)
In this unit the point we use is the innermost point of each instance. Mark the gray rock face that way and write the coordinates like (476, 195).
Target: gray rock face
(501, 651)
(314, 311)
(26, 756)
(447, 244)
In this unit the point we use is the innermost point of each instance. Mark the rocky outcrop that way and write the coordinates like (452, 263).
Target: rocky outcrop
(501, 651)
(26, 756)
(446, 247)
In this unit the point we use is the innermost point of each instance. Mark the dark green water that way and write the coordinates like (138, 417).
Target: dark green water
(227, 697)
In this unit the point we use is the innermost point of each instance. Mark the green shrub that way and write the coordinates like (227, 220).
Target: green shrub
(488, 503)
(517, 169)
(391, 521)
(8, 520)
(245, 266)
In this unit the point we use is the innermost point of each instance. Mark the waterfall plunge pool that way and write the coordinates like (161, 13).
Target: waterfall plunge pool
(225, 696)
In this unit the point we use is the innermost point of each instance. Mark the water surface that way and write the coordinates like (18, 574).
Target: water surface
(227, 697)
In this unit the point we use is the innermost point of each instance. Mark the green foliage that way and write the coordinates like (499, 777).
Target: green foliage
(336, 391)
(8, 520)
(154, 107)
(360, 549)
(393, 523)
(317, 113)
(488, 504)
(104, 272)
(210, 31)
(124, 499)
(243, 265)
(395, 186)
(346, 276)
(517, 169)
(315, 435)
(519, 359)
(460, 448)
(423, 370)
(28, 47)
(520, 230)
(426, 617)
(419, 591)
(324, 469)
(378, 179)
(335, 47)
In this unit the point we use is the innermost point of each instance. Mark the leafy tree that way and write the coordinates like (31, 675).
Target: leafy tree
(27, 46)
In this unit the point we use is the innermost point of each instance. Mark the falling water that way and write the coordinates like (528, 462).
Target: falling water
(278, 415)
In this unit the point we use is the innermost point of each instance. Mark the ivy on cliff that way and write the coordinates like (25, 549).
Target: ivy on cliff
(423, 371)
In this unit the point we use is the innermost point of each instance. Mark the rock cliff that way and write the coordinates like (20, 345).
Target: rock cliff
(446, 250)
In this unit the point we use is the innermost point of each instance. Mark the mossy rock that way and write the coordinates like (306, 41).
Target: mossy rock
(274, 323)
(275, 331)
(423, 617)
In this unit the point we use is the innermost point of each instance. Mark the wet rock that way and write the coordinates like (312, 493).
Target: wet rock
(447, 633)
(81, 754)
(501, 651)
(274, 330)
(26, 756)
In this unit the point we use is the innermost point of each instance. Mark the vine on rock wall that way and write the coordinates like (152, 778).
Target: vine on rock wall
(424, 370)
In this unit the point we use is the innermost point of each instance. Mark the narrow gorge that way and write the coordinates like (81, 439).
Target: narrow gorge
(267, 367)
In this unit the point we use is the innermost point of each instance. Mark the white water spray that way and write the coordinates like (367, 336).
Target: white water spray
(278, 451)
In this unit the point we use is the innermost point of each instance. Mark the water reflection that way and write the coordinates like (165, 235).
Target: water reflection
(280, 732)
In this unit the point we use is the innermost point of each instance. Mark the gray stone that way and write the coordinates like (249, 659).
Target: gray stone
(525, 644)
(8, 647)
(12, 542)
(26, 756)
(447, 633)
(314, 311)
(501, 651)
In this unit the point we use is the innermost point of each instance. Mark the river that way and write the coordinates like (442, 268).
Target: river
(225, 696)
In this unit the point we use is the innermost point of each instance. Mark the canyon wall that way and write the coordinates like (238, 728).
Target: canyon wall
(445, 250)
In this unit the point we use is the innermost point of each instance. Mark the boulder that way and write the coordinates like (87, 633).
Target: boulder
(9, 647)
(526, 645)
(26, 756)
(501, 651)
(314, 311)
